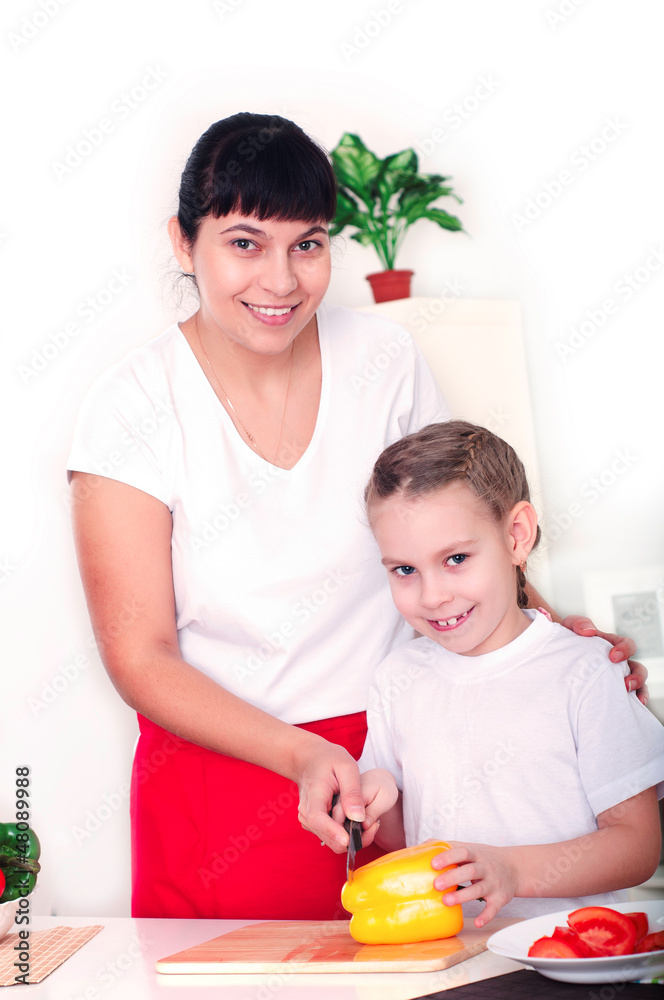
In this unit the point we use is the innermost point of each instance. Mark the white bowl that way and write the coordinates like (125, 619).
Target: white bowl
(514, 941)
(7, 914)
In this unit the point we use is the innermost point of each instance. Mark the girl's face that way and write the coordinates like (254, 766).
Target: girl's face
(260, 281)
(452, 568)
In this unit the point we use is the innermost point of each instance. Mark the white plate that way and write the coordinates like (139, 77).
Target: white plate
(514, 941)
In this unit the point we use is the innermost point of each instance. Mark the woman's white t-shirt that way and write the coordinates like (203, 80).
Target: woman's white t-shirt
(279, 591)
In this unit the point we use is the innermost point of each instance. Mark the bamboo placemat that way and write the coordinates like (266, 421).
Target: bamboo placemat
(46, 950)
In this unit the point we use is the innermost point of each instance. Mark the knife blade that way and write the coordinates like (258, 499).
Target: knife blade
(354, 845)
(354, 831)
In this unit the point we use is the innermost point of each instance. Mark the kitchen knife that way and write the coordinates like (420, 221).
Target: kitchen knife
(354, 831)
(354, 845)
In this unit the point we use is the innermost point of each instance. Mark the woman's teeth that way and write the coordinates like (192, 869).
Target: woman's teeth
(266, 311)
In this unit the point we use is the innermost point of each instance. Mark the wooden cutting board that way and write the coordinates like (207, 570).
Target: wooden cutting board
(321, 946)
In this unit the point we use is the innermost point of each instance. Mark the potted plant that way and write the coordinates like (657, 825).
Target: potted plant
(381, 199)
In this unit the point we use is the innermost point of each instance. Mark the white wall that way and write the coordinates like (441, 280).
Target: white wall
(536, 88)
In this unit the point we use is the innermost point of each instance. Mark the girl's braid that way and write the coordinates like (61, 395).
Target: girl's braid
(470, 441)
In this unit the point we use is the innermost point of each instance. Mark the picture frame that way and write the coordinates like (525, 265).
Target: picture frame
(631, 602)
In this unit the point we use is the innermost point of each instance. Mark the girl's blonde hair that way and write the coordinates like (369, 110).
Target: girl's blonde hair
(451, 452)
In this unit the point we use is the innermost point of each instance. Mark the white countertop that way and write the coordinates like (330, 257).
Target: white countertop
(119, 962)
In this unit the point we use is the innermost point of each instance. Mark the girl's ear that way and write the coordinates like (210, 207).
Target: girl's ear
(180, 246)
(521, 531)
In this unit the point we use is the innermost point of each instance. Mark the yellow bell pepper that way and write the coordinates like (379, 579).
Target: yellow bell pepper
(393, 900)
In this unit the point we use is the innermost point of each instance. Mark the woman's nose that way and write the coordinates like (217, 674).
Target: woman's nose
(277, 275)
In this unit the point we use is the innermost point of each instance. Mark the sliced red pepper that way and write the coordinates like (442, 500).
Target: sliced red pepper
(571, 938)
(605, 931)
(651, 942)
(2, 883)
(640, 921)
(553, 947)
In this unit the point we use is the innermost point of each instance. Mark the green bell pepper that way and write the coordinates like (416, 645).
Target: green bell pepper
(19, 850)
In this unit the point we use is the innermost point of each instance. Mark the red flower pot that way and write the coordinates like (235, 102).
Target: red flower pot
(389, 285)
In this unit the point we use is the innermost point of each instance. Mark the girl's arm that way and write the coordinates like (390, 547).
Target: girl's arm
(623, 646)
(123, 541)
(623, 852)
(390, 835)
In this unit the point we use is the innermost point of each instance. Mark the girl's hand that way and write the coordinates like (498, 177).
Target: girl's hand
(490, 870)
(623, 649)
(321, 770)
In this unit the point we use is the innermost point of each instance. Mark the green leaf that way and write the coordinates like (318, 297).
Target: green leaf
(365, 238)
(405, 161)
(355, 166)
(414, 202)
(347, 214)
(444, 219)
(431, 187)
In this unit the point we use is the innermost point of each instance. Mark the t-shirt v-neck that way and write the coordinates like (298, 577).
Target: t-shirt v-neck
(190, 359)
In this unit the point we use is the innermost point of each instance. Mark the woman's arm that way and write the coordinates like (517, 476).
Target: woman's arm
(123, 541)
(622, 852)
(623, 646)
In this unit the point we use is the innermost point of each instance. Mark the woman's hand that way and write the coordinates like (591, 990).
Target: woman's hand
(623, 649)
(380, 793)
(490, 870)
(321, 771)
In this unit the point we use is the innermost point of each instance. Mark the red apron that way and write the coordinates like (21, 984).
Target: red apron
(216, 837)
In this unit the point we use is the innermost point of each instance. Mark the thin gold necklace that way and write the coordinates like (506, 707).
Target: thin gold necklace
(250, 436)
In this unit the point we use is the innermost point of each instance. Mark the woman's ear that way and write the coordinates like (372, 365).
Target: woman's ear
(521, 531)
(180, 246)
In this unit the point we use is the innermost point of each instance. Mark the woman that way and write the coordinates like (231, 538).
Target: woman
(235, 592)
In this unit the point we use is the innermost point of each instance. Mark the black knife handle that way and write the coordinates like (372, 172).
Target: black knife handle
(351, 827)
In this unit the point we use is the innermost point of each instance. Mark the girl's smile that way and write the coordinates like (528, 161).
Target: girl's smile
(452, 568)
(452, 622)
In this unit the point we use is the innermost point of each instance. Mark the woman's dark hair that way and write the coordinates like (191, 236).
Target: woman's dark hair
(456, 451)
(261, 165)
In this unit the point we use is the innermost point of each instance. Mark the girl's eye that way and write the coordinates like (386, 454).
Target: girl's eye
(308, 245)
(403, 570)
(456, 560)
(243, 244)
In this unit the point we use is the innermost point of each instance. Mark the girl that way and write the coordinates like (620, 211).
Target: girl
(506, 734)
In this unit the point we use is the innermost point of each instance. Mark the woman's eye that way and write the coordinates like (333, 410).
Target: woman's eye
(456, 560)
(403, 570)
(308, 245)
(243, 244)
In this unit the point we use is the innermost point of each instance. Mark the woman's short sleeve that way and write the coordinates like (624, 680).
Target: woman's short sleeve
(123, 428)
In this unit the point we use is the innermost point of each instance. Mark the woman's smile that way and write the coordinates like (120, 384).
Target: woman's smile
(272, 315)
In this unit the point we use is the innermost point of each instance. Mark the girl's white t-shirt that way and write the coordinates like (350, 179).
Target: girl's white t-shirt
(527, 744)
(280, 595)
